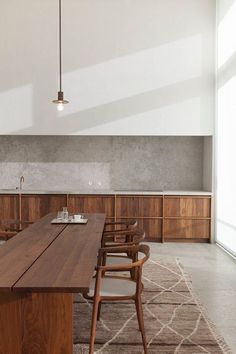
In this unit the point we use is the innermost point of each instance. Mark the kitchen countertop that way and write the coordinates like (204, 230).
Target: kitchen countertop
(106, 192)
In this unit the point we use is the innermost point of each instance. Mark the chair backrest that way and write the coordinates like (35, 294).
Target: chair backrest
(130, 224)
(135, 266)
(131, 249)
(124, 237)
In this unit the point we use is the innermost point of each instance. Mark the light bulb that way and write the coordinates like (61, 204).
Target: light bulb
(60, 107)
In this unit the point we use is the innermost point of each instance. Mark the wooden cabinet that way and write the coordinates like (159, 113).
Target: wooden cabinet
(180, 206)
(164, 218)
(9, 207)
(146, 209)
(9, 215)
(186, 230)
(34, 207)
(138, 206)
(92, 204)
(187, 218)
(151, 226)
(9, 210)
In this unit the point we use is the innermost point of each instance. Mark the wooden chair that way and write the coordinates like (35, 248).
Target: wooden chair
(118, 288)
(121, 238)
(132, 237)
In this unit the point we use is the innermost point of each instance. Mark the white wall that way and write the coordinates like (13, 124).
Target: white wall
(131, 67)
(226, 126)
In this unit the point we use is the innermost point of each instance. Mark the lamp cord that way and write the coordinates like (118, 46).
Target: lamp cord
(60, 45)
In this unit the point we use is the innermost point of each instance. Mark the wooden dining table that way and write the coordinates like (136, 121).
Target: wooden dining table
(40, 270)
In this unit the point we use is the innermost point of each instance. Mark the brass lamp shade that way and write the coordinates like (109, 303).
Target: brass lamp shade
(60, 98)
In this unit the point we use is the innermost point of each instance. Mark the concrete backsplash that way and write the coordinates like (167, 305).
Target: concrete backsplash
(79, 162)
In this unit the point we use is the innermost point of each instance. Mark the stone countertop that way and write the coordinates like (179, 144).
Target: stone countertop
(187, 193)
(106, 192)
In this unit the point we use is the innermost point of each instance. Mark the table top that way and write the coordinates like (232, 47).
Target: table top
(51, 258)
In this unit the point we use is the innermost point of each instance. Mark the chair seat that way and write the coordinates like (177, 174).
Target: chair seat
(111, 243)
(116, 260)
(114, 287)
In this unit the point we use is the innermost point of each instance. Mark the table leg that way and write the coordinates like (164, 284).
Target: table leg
(39, 323)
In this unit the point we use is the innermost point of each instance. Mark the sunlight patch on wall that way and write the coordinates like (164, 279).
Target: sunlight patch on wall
(226, 173)
(133, 74)
(182, 114)
(226, 168)
(226, 36)
(16, 109)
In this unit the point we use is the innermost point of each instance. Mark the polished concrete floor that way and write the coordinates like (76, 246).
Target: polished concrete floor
(213, 274)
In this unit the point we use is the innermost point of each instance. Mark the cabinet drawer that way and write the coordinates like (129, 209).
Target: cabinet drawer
(35, 207)
(9, 207)
(186, 229)
(91, 204)
(152, 228)
(9, 210)
(138, 206)
(187, 206)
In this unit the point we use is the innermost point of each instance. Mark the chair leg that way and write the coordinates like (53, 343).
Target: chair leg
(139, 310)
(133, 274)
(99, 310)
(93, 325)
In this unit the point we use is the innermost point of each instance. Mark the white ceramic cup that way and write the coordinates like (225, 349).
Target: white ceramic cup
(78, 217)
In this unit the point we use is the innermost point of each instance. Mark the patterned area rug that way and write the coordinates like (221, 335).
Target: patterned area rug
(175, 321)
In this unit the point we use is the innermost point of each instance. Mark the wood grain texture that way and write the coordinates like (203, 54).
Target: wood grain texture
(19, 253)
(11, 323)
(68, 264)
(138, 206)
(9, 207)
(152, 228)
(48, 324)
(186, 229)
(119, 206)
(187, 206)
(35, 207)
(91, 204)
(36, 323)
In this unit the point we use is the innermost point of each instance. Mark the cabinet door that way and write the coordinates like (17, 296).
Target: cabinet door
(152, 228)
(147, 210)
(138, 206)
(91, 204)
(187, 218)
(187, 206)
(9, 207)
(186, 230)
(35, 207)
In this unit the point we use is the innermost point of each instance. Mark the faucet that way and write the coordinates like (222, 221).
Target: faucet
(22, 180)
